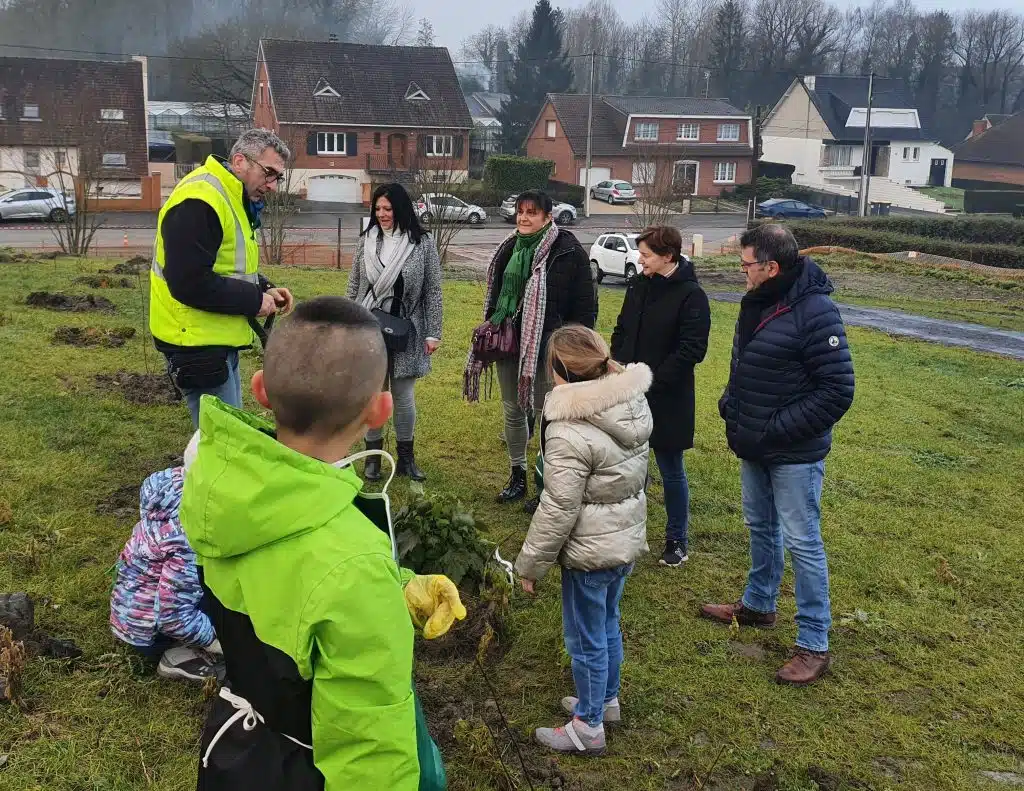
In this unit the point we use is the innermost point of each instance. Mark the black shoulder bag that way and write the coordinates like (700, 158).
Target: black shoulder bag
(395, 324)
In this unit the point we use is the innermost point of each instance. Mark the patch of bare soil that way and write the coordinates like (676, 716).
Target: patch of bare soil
(11, 256)
(132, 266)
(74, 303)
(484, 633)
(94, 336)
(105, 281)
(142, 389)
(122, 503)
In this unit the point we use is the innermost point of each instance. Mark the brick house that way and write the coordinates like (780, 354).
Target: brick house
(992, 157)
(63, 121)
(358, 114)
(689, 146)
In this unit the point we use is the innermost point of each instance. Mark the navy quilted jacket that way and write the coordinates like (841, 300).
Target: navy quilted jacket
(793, 380)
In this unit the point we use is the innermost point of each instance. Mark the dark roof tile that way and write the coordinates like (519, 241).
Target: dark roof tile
(1000, 145)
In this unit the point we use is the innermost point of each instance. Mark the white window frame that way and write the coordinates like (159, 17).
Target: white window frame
(111, 114)
(686, 127)
(550, 129)
(640, 177)
(60, 160)
(115, 160)
(39, 158)
(440, 145)
(917, 154)
(336, 138)
(729, 175)
(650, 130)
(33, 116)
(723, 137)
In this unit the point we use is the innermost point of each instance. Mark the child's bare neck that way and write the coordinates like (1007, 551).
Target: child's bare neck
(328, 450)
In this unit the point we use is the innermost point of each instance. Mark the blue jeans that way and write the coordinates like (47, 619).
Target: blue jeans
(677, 495)
(590, 624)
(782, 508)
(230, 392)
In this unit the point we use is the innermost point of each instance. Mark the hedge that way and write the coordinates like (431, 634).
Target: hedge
(967, 230)
(765, 188)
(867, 240)
(510, 174)
(563, 192)
(994, 202)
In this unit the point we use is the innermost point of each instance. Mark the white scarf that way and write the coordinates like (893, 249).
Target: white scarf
(383, 274)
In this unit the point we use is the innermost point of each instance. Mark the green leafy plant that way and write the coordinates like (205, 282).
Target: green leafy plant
(515, 174)
(437, 535)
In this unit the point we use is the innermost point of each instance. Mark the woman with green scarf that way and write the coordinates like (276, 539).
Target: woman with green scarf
(540, 279)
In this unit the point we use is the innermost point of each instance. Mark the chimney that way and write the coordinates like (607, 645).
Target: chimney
(333, 38)
(980, 127)
(809, 82)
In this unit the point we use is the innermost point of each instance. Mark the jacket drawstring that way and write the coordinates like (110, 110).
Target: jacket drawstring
(249, 717)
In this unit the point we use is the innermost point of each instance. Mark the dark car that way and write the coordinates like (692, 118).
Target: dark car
(783, 208)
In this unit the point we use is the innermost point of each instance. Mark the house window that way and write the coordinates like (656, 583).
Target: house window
(32, 160)
(330, 143)
(115, 160)
(261, 94)
(725, 172)
(31, 112)
(836, 156)
(643, 172)
(60, 160)
(111, 115)
(376, 138)
(729, 132)
(551, 125)
(688, 132)
(646, 131)
(440, 145)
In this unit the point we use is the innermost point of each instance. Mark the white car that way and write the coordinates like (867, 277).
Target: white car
(36, 203)
(448, 207)
(617, 254)
(564, 213)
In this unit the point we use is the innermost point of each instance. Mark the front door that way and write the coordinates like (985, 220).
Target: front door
(937, 174)
(396, 151)
(684, 178)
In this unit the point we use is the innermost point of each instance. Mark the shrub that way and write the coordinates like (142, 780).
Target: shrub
(561, 191)
(510, 174)
(994, 201)
(438, 536)
(479, 193)
(765, 188)
(869, 240)
(970, 230)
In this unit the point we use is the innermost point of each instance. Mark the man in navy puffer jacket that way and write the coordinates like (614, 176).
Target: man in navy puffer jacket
(791, 380)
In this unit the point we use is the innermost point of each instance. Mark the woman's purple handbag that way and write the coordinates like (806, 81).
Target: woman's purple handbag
(493, 342)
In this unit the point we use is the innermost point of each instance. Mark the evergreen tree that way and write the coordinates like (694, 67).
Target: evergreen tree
(728, 45)
(540, 67)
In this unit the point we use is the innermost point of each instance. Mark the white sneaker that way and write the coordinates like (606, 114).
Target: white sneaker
(574, 737)
(612, 709)
(189, 664)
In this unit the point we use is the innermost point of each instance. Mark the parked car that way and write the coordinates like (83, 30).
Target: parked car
(614, 192)
(564, 213)
(785, 207)
(448, 207)
(36, 203)
(616, 254)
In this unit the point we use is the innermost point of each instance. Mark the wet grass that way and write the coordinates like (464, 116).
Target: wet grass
(922, 509)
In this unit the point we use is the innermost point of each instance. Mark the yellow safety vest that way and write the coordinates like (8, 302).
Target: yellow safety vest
(237, 257)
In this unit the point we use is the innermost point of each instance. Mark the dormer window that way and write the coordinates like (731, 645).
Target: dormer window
(414, 93)
(324, 89)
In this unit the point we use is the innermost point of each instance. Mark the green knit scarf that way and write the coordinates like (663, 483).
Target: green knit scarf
(513, 282)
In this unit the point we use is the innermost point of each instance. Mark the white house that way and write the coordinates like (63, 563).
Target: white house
(818, 127)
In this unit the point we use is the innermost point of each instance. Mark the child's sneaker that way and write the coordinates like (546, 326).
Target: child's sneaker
(189, 664)
(574, 737)
(674, 554)
(612, 709)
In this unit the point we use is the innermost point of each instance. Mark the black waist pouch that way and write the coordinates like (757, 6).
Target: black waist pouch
(203, 368)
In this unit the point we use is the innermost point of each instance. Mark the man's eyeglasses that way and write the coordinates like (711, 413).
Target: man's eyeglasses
(748, 264)
(269, 174)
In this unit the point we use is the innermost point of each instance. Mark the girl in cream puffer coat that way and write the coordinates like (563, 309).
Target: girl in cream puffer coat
(592, 518)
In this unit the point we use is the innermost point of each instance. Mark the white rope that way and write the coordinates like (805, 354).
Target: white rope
(249, 717)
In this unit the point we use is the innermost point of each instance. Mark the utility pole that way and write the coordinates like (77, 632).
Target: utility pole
(865, 168)
(590, 137)
(707, 84)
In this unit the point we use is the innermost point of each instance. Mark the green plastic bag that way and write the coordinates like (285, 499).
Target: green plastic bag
(432, 775)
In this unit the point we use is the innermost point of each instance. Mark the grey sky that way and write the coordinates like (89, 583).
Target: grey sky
(452, 24)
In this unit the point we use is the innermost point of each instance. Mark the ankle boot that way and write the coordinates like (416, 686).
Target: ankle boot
(515, 489)
(371, 467)
(407, 462)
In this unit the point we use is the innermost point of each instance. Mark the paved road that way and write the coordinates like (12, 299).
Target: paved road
(949, 333)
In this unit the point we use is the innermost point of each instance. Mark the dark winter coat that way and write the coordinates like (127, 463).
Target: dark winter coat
(793, 380)
(665, 322)
(572, 292)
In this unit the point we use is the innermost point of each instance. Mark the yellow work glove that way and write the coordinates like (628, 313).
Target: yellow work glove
(434, 604)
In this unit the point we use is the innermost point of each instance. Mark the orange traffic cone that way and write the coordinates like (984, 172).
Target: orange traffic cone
(126, 239)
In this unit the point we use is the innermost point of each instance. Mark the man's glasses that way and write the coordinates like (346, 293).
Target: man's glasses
(748, 264)
(269, 174)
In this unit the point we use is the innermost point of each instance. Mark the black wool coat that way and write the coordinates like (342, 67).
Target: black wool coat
(665, 323)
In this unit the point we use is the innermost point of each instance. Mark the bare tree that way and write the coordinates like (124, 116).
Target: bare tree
(850, 31)
(676, 22)
(440, 174)
(657, 198)
(281, 208)
(815, 36)
(74, 231)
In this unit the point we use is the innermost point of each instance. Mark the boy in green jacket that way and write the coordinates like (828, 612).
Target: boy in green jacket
(300, 576)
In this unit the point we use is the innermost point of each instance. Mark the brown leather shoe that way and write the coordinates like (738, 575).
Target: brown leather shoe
(724, 613)
(804, 668)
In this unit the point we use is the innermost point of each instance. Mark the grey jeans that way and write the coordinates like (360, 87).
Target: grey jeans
(517, 433)
(404, 395)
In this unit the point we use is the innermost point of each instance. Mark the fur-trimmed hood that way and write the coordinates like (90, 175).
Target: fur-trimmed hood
(615, 403)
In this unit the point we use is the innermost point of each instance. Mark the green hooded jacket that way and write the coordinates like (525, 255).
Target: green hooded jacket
(280, 541)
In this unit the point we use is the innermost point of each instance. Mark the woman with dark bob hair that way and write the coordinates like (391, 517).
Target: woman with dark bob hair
(396, 268)
(539, 279)
(665, 322)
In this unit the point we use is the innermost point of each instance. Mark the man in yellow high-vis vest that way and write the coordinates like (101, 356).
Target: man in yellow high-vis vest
(204, 284)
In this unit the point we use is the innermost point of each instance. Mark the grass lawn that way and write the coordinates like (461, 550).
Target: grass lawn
(922, 517)
(951, 196)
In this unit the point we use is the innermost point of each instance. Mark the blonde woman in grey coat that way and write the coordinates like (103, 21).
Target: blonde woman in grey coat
(396, 267)
(591, 520)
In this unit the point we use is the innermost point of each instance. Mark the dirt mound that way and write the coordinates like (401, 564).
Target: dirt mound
(484, 633)
(69, 302)
(94, 336)
(132, 266)
(122, 503)
(142, 389)
(104, 280)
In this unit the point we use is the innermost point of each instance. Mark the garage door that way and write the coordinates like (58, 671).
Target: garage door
(333, 189)
(596, 175)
